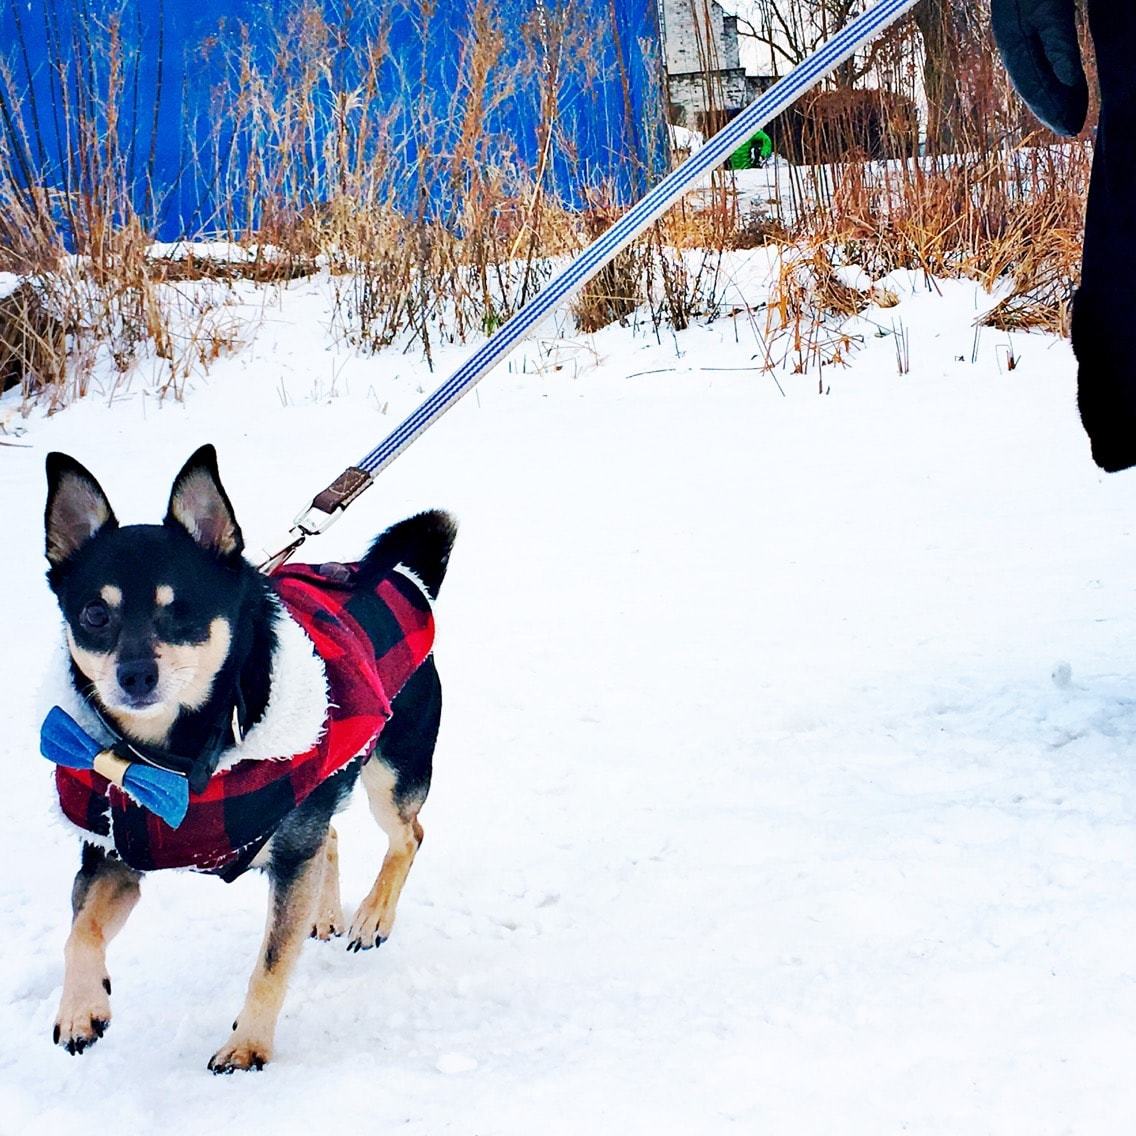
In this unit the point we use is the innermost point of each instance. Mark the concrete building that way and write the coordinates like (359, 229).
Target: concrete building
(705, 75)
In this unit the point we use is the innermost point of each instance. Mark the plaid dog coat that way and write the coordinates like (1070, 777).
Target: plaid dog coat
(370, 643)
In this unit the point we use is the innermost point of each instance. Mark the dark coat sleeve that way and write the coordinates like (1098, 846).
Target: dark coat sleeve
(1037, 39)
(1104, 309)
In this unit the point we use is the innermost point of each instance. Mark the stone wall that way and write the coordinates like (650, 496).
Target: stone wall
(697, 35)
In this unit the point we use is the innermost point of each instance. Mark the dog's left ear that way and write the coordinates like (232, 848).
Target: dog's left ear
(77, 508)
(200, 505)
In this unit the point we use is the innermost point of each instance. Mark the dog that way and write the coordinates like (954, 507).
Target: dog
(182, 655)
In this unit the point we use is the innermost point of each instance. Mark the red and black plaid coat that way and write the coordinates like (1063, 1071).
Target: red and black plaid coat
(370, 642)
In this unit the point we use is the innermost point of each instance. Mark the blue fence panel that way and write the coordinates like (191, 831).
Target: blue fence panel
(192, 162)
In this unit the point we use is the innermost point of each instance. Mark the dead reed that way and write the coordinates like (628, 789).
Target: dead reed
(1004, 206)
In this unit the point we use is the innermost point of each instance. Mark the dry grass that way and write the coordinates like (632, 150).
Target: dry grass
(1011, 221)
(1009, 218)
(33, 348)
(313, 166)
(1005, 209)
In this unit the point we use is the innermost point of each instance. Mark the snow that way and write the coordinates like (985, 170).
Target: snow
(224, 252)
(685, 140)
(786, 775)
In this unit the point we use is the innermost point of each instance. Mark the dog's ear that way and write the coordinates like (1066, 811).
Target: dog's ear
(200, 505)
(77, 508)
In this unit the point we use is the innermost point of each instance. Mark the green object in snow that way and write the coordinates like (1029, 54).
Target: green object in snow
(753, 152)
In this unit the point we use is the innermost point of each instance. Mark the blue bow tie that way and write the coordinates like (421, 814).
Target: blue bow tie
(64, 741)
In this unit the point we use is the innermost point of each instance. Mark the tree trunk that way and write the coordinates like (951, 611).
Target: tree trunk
(935, 21)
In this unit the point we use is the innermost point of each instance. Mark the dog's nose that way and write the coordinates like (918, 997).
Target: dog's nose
(138, 677)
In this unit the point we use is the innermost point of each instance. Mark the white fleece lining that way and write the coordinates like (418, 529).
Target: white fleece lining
(296, 715)
(416, 580)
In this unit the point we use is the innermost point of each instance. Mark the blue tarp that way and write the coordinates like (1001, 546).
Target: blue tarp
(188, 155)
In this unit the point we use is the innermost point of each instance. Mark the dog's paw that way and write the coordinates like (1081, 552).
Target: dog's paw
(369, 928)
(240, 1054)
(82, 1020)
(328, 925)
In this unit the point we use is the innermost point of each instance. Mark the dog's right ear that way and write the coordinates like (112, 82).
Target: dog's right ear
(200, 505)
(77, 508)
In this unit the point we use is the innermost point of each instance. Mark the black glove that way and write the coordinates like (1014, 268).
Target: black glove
(1038, 42)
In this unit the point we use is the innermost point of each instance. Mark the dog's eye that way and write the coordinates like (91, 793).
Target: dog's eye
(179, 615)
(95, 615)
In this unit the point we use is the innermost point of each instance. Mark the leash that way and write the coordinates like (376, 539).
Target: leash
(328, 505)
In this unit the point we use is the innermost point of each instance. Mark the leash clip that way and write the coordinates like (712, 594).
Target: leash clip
(270, 561)
(326, 508)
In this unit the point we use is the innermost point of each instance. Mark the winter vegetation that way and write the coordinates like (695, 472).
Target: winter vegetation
(914, 155)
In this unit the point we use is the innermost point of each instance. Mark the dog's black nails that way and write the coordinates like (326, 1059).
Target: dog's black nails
(258, 1063)
(55, 1036)
(106, 985)
(99, 1025)
(234, 1025)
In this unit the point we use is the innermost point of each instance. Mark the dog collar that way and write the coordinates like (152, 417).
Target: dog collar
(196, 770)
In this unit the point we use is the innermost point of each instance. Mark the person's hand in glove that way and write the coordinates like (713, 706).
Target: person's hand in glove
(1038, 43)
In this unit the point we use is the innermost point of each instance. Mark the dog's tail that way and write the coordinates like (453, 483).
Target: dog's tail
(421, 543)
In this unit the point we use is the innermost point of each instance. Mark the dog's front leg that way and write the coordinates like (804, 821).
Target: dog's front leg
(328, 921)
(104, 894)
(293, 890)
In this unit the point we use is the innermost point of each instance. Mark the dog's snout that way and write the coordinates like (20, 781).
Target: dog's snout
(138, 678)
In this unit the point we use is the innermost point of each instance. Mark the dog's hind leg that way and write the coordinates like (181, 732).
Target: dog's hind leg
(397, 780)
(372, 924)
(329, 921)
(104, 894)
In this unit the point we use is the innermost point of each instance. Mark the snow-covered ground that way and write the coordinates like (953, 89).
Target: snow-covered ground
(787, 780)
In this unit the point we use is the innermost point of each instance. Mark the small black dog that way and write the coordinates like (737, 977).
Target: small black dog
(181, 652)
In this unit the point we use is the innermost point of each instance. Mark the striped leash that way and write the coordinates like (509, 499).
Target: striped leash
(328, 505)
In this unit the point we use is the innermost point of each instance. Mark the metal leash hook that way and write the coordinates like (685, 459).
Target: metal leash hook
(326, 508)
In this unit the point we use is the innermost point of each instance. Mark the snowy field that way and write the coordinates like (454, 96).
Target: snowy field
(787, 777)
